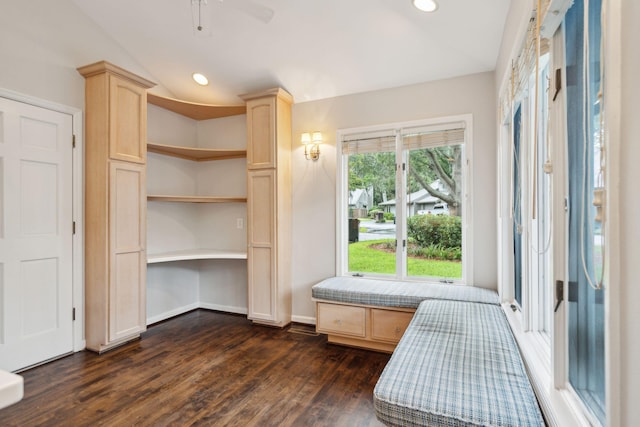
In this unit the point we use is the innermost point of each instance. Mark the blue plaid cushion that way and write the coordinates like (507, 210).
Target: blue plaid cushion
(456, 365)
(390, 293)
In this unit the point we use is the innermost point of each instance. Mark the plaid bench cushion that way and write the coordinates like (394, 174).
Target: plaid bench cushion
(389, 293)
(456, 365)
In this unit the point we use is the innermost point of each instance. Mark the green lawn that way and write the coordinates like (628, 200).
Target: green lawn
(366, 260)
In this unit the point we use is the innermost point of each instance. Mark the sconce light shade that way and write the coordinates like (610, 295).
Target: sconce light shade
(313, 140)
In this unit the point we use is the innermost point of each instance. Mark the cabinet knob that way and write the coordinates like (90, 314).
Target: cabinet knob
(338, 321)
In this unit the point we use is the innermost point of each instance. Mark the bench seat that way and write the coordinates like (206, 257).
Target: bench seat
(392, 293)
(374, 313)
(457, 364)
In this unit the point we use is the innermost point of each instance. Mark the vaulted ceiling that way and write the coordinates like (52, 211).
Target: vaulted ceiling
(313, 48)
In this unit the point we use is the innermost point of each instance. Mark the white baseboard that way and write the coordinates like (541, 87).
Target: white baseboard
(171, 313)
(303, 319)
(226, 308)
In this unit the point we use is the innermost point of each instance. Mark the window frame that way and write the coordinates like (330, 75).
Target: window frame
(342, 174)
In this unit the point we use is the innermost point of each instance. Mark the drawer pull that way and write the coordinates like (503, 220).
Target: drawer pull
(338, 321)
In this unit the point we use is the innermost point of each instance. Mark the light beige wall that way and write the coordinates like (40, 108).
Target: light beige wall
(42, 42)
(314, 183)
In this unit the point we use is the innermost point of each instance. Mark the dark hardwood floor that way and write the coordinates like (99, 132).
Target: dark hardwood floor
(205, 368)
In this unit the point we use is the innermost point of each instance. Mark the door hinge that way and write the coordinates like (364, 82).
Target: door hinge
(73, 141)
(557, 83)
(73, 313)
(73, 228)
(559, 294)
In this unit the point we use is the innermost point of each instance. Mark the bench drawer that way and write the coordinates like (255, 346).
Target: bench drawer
(388, 325)
(341, 319)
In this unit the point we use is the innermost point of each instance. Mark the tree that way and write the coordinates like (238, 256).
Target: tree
(443, 163)
(375, 170)
(426, 165)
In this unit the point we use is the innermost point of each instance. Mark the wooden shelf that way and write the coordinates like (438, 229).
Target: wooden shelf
(196, 154)
(194, 254)
(195, 199)
(194, 110)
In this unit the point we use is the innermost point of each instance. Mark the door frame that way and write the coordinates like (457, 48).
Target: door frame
(77, 257)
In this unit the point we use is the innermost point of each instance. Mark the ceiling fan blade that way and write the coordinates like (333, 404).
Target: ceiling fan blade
(255, 10)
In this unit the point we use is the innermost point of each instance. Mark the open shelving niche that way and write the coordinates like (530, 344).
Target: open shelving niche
(196, 193)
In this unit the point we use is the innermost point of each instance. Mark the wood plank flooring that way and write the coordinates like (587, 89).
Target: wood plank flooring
(205, 368)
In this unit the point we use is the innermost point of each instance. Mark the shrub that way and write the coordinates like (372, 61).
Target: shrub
(443, 231)
(436, 252)
(389, 216)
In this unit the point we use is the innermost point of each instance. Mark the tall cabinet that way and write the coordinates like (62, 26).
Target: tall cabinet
(269, 206)
(115, 205)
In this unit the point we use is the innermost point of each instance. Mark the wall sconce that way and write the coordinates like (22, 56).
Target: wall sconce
(313, 140)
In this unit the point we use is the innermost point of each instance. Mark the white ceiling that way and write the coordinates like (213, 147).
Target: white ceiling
(313, 48)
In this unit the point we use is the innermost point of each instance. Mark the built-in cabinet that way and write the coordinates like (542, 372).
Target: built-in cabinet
(169, 219)
(269, 206)
(375, 328)
(115, 205)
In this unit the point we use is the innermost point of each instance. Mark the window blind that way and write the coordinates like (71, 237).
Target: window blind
(433, 138)
(412, 138)
(370, 142)
(524, 65)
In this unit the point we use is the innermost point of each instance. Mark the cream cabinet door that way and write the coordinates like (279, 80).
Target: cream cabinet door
(127, 271)
(261, 128)
(261, 214)
(127, 121)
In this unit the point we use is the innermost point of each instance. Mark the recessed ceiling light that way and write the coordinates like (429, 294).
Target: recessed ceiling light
(200, 79)
(426, 5)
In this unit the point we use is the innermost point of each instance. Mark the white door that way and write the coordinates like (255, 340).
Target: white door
(35, 234)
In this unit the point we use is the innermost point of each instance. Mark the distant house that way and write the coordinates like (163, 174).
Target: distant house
(416, 202)
(361, 199)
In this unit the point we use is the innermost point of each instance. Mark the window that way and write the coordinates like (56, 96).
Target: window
(554, 192)
(516, 211)
(586, 296)
(403, 208)
(542, 267)
(371, 162)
